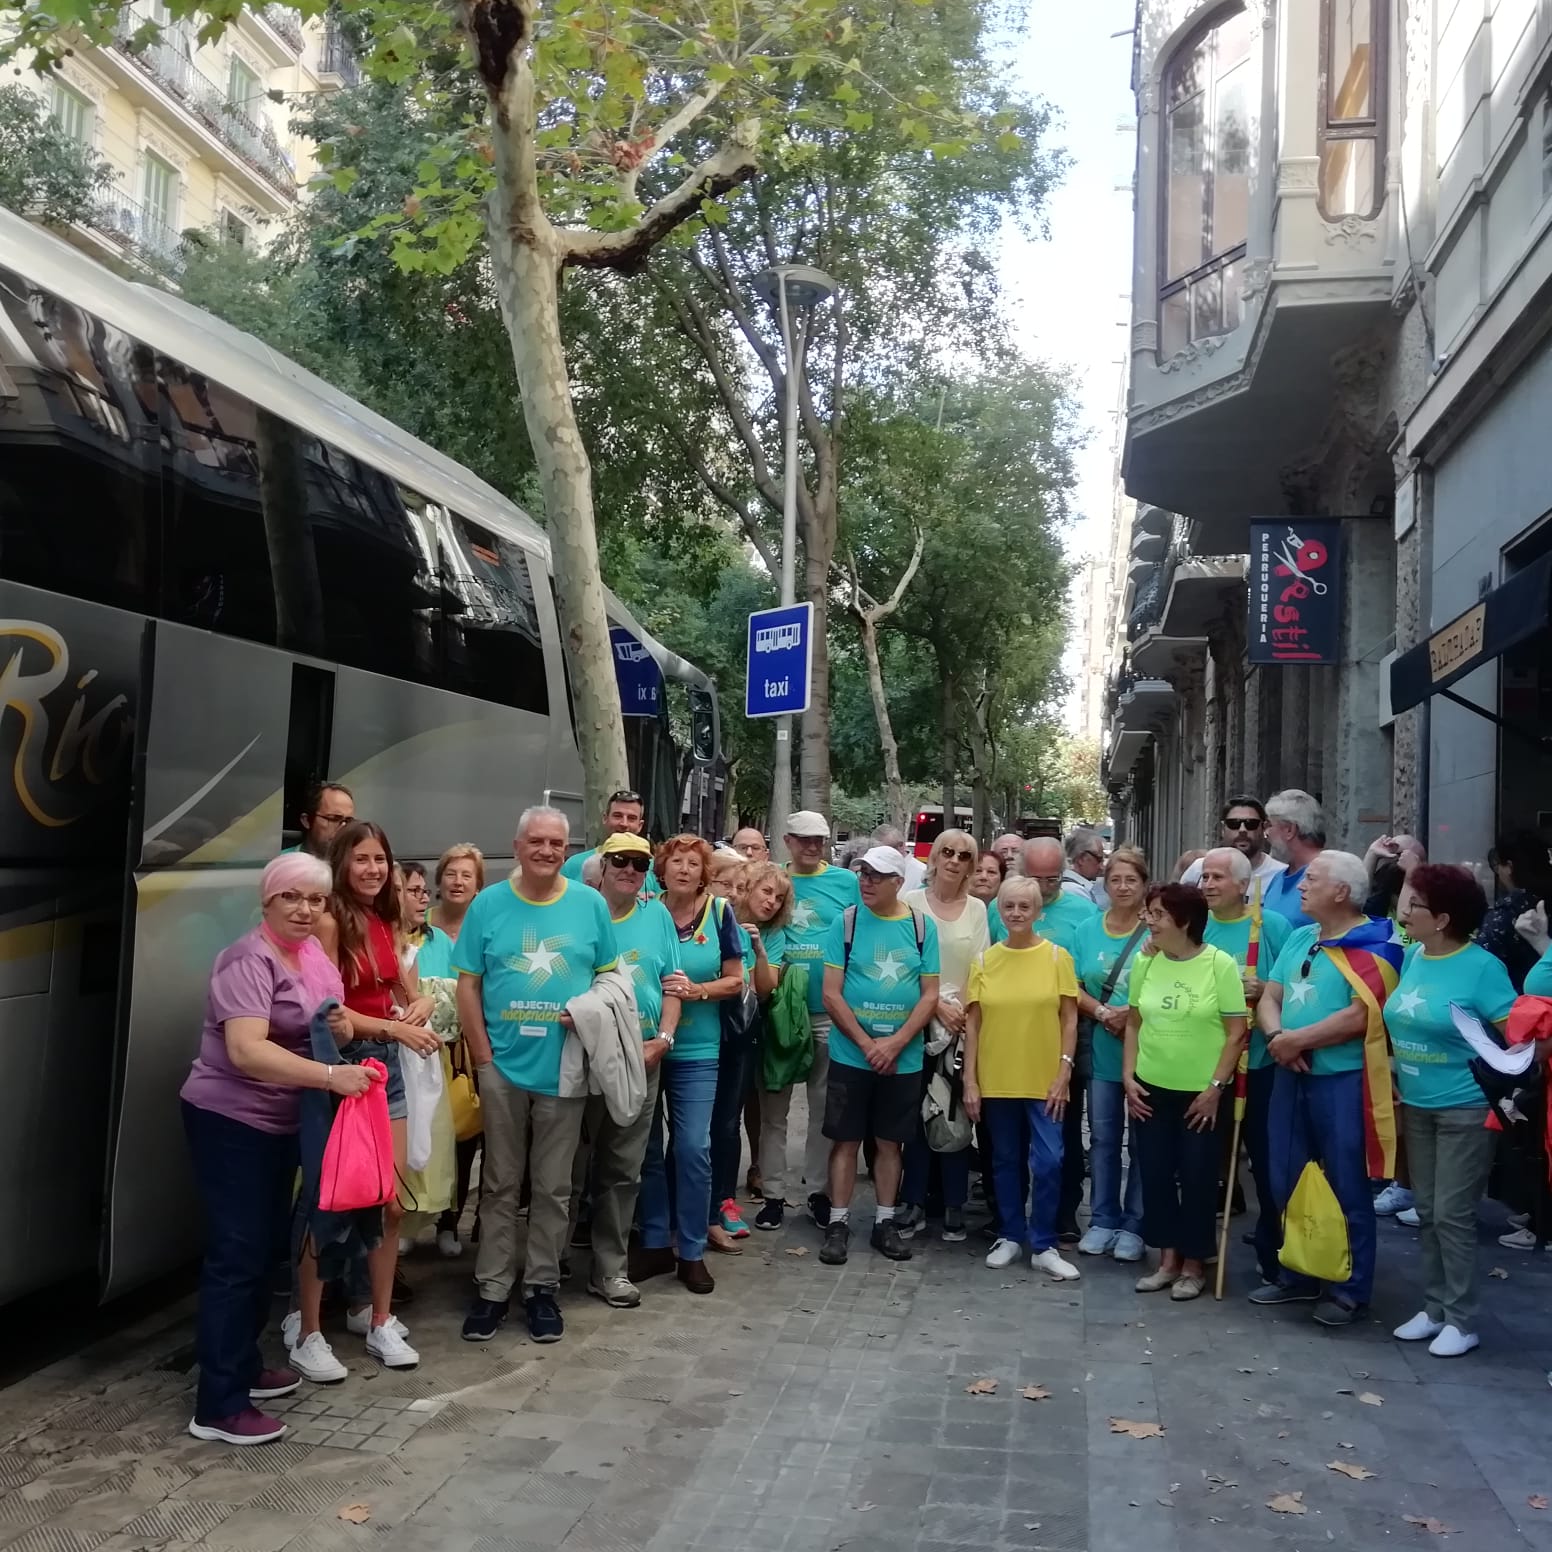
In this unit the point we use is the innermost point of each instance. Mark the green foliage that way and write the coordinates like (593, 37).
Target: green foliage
(44, 174)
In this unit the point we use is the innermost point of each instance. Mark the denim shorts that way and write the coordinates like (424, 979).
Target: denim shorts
(387, 1052)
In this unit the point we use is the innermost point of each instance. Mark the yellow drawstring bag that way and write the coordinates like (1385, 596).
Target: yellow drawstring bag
(1315, 1240)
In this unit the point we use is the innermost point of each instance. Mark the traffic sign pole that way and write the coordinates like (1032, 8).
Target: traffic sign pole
(781, 784)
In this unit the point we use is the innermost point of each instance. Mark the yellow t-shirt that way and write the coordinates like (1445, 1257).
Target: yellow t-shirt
(1020, 992)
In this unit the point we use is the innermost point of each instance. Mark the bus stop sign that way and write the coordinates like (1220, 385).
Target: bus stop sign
(781, 652)
(639, 678)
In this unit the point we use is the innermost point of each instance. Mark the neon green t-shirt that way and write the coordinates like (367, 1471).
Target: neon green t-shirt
(1183, 1003)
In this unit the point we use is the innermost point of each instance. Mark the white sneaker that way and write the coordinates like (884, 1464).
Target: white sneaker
(448, 1243)
(1409, 1218)
(1004, 1253)
(291, 1329)
(359, 1322)
(314, 1360)
(1521, 1239)
(1129, 1247)
(1452, 1342)
(389, 1348)
(1098, 1242)
(1050, 1261)
(1393, 1199)
(1420, 1328)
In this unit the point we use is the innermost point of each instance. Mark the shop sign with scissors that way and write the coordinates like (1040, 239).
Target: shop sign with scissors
(1295, 590)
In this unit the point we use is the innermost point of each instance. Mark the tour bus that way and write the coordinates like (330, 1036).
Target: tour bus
(220, 580)
(927, 825)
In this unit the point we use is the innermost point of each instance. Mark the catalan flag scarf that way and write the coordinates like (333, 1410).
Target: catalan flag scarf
(1369, 959)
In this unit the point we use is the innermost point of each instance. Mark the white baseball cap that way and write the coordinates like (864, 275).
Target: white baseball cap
(884, 859)
(808, 825)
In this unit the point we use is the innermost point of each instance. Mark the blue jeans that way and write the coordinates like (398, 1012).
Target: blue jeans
(953, 1168)
(676, 1186)
(1108, 1129)
(1321, 1118)
(1268, 1233)
(245, 1179)
(1005, 1120)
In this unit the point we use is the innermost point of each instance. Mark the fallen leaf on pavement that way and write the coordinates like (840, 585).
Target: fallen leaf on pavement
(981, 1388)
(1499, 1273)
(863, 1508)
(1351, 1469)
(1370, 1399)
(1287, 1503)
(1428, 1523)
(357, 1514)
(1537, 1500)
(1165, 1503)
(1135, 1430)
(1035, 1393)
(797, 1250)
(1216, 1484)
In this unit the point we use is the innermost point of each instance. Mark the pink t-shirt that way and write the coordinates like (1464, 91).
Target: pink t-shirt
(249, 980)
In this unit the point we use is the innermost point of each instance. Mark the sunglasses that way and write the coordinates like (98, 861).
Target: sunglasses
(624, 795)
(955, 854)
(1242, 824)
(623, 860)
(872, 875)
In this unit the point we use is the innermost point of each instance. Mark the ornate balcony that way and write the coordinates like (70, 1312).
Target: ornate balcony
(128, 225)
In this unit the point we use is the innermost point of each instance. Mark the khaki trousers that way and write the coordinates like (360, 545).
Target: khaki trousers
(1449, 1156)
(774, 1110)
(612, 1154)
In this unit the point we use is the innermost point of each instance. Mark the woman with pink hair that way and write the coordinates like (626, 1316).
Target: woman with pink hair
(241, 1111)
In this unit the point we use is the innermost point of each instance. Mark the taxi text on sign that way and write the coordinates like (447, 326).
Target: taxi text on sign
(781, 646)
(1295, 590)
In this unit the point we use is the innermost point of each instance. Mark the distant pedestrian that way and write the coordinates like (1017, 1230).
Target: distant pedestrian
(1242, 825)
(915, 869)
(1296, 831)
(1520, 864)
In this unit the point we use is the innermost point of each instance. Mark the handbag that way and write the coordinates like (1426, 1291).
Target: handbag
(948, 1129)
(358, 1158)
(463, 1096)
(740, 1014)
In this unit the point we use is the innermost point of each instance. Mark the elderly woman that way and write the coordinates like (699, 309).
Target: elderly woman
(241, 1108)
(990, 870)
(1186, 1025)
(1449, 1149)
(764, 909)
(1021, 1030)
(677, 1187)
(963, 935)
(1106, 950)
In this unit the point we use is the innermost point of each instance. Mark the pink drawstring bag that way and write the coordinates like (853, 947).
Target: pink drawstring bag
(358, 1160)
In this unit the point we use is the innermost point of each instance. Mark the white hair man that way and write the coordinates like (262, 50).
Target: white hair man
(527, 947)
(1321, 1015)
(1084, 875)
(1296, 832)
(1226, 873)
(915, 869)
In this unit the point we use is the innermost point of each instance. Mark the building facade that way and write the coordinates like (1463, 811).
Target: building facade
(197, 134)
(1276, 351)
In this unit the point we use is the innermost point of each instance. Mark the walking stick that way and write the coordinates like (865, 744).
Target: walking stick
(1241, 1088)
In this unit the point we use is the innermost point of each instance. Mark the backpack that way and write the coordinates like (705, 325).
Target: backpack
(849, 920)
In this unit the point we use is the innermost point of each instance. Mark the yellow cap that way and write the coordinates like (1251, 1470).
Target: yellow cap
(625, 842)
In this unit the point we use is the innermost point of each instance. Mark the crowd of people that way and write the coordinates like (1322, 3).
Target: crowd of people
(604, 1031)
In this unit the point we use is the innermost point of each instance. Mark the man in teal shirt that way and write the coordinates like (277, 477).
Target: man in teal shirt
(1061, 915)
(623, 815)
(1226, 875)
(525, 949)
(820, 893)
(880, 990)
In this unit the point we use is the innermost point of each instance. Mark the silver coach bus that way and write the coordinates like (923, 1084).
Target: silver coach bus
(221, 580)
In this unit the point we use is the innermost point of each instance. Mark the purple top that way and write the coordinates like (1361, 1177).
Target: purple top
(249, 980)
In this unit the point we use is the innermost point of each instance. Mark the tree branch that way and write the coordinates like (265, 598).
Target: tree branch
(671, 127)
(724, 493)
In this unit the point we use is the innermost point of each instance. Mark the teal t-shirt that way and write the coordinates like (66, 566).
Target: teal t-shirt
(883, 980)
(435, 956)
(1432, 1061)
(533, 957)
(711, 938)
(1309, 998)
(572, 868)
(649, 949)
(1233, 937)
(1059, 921)
(994, 923)
(817, 899)
(775, 940)
(1093, 958)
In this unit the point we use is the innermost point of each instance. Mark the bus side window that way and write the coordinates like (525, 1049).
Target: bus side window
(492, 647)
(80, 455)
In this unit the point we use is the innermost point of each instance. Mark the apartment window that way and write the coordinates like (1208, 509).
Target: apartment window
(1206, 182)
(1353, 80)
(234, 230)
(242, 87)
(72, 112)
(161, 192)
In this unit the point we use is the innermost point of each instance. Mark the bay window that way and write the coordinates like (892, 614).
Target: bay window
(1352, 161)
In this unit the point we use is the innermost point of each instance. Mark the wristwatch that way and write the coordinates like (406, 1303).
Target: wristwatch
(1214, 1083)
(668, 1035)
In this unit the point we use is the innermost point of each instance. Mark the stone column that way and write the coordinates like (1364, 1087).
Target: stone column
(1360, 805)
(1292, 734)
(1212, 739)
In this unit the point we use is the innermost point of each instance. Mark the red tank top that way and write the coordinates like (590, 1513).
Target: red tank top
(372, 976)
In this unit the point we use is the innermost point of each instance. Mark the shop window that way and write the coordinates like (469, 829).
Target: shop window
(1352, 161)
(1206, 197)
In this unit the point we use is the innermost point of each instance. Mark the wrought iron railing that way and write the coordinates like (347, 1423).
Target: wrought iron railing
(338, 57)
(131, 226)
(286, 22)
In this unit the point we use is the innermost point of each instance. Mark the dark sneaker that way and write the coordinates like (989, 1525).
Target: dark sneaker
(953, 1225)
(1332, 1312)
(819, 1209)
(645, 1263)
(772, 1215)
(273, 1383)
(1280, 1293)
(544, 1320)
(909, 1219)
(250, 1426)
(484, 1319)
(886, 1240)
(1068, 1233)
(837, 1238)
(565, 1269)
(402, 1292)
(582, 1235)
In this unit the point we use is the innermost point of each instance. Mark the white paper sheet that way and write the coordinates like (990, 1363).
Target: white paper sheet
(1514, 1062)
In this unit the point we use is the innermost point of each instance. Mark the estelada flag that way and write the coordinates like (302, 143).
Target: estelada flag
(1369, 958)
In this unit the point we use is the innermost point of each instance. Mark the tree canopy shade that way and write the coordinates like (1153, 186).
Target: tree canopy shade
(45, 174)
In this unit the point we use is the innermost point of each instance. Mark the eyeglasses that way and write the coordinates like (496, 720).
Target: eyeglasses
(624, 795)
(292, 897)
(419, 890)
(871, 875)
(1241, 824)
(332, 819)
(624, 859)
(956, 854)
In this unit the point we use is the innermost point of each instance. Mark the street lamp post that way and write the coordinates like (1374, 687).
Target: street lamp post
(785, 287)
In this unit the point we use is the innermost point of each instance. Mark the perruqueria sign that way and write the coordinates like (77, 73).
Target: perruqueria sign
(1295, 590)
(1500, 619)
